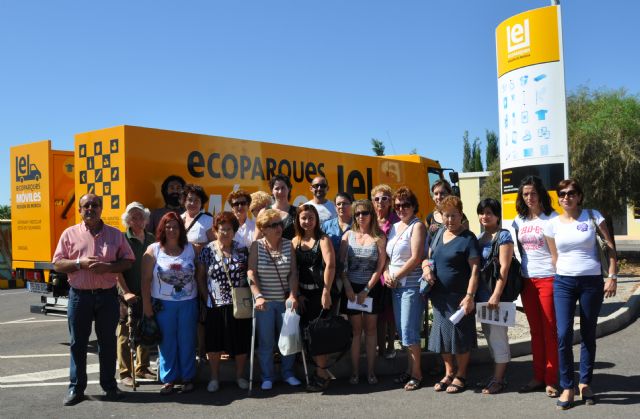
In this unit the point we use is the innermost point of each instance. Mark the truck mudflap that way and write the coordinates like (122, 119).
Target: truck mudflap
(57, 299)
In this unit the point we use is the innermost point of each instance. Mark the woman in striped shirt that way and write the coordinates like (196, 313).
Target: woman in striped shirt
(273, 277)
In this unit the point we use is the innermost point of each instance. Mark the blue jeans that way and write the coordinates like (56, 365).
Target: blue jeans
(408, 306)
(567, 290)
(177, 351)
(268, 324)
(83, 308)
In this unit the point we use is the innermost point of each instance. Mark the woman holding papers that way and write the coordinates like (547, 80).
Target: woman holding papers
(316, 270)
(362, 251)
(489, 214)
(405, 250)
(452, 269)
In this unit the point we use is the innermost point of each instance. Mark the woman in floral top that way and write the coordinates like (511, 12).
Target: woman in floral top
(221, 265)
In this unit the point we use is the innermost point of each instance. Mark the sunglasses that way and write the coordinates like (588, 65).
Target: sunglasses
(319, 186)
(275, 225)
(239, 204)
(363, 213)
(383, 198)
(91, 204)
(569, 194)
(403, 205)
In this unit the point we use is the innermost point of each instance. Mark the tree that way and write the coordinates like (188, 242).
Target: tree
(5, 212)
(467, 165)
(377, 146)
(476, 159)
(604, 147)
(491, 186)
(492, 151)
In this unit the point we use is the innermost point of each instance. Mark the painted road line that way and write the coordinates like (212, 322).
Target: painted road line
(44, 375)
(14, 293)
(59, 383)
(33, 320)
(37, 356)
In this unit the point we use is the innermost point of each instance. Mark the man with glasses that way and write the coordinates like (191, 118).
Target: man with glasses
(326, 208)
(92, 254)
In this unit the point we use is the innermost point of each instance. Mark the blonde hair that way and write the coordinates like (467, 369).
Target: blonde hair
(259, 199)
(267, 217)
(384, 188)
(367, 206)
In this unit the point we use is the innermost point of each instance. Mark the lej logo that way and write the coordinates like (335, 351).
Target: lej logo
(27, 193)
(518, 37)
(25, 170)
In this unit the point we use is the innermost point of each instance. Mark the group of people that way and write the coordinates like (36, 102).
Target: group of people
(372, 260)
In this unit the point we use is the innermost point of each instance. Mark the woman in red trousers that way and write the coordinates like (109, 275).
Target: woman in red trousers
(533, 205)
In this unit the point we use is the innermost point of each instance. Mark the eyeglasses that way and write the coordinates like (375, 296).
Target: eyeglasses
(568, 194)
(239, 204)
(275, 225)
(91, 204)
(383, 198)
(319, 186)
(403, 205)
(363, 213)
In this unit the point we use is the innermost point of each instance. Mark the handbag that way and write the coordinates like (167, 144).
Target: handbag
(241, 296)
(491, 273)
(327, 335)
(602, 248)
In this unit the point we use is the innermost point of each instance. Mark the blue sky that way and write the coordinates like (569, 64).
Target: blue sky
(328, 74)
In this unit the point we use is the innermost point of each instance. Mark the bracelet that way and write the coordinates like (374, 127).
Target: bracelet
(470, 295)
(258, 296)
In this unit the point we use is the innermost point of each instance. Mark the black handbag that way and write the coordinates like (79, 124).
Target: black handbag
(327, 334)
(491, 272)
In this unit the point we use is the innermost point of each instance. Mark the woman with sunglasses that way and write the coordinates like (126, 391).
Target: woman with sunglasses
(197, 221)
(405, 251)
(273, 276)
(571, 237)
(533, 205)
(381, 195)
(452, 270)
(168, 281)
(362, 252)
(316, 271)
(240, 202)
(439, 191)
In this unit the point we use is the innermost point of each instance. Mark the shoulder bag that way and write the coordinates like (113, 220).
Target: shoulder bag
(241, 296)
(490, 273)
(602, 248)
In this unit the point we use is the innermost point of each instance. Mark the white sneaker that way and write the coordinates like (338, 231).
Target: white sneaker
(243, 383)
(213, 386)
(292, 381)
(267, 385)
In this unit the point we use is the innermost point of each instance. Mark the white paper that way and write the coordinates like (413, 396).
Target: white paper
(367, 306)
(457, 316)
(505, 315)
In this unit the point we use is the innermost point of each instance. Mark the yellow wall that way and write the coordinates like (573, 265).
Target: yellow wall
(470, 195)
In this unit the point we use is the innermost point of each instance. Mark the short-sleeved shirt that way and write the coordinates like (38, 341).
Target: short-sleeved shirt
(332, 229)
(109, 245)
(535, 253)
(576, 244)
(326, 211)
(174, 276)
(133, 276)
(198, 233)
(244, 235)
(451, 262)
(217, 281)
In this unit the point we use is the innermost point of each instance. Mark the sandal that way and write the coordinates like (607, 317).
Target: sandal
(442, 385)
(372, 379)
(587, 396)
(552, 392)
(413, 384)
(166, 388)
(355, 379)
(494, 386)
(402, 378)
(457, 388)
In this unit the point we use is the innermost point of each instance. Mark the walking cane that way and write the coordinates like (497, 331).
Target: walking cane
(132, 346)
(253, 345)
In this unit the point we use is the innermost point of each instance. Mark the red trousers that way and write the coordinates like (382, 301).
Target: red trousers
(537, 299)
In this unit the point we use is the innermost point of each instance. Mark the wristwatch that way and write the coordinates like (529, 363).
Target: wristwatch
(78, 263)
(613, 276)
(366, 289)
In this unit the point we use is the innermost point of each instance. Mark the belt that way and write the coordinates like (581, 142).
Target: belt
(308, 287)
(95, 290)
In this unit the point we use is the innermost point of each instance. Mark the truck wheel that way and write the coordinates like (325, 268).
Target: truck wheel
(37, 177)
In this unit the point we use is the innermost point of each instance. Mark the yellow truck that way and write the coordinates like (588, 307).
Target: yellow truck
(127, 163)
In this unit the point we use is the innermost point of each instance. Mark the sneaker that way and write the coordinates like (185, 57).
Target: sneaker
(213, 386)
(267, 385)
(292, 381)
(243, 383)
(146, 375)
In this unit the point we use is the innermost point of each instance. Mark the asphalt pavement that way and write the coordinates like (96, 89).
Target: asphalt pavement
(34, 372)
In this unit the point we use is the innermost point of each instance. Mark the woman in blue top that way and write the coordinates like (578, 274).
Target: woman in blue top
(489, 213)
(453, 275)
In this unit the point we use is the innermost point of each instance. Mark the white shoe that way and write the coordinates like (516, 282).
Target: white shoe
(292, 381)
(213, 386)
(243, 383)
(267, 385)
